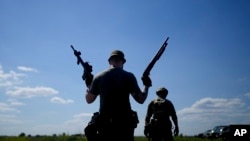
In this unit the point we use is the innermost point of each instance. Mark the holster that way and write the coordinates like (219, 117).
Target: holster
(91, 130)
(135, 119)
(97, 121)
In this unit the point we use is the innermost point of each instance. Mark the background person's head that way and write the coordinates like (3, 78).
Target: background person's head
(162, 92)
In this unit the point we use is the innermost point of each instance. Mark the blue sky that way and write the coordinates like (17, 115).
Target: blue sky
(205, 66)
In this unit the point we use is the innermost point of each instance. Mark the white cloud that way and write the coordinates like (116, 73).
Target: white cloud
(60, 100)
(210, 107)
(209, 112)
(217, 104)
(78, 122)
(6, 108)
(247, 95)
(79, 118)
(5, 83)
(11, 75)
(29, 92)
(213, 103)
(27, 69)
(10, 78)
(9, 119)
(15, 102)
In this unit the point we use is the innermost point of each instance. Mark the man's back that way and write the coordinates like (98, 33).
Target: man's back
(162, 108)
(114, 86)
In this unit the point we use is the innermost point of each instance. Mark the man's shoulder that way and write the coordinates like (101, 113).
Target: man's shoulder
(168, 101)
(127, 73)
(103, 72)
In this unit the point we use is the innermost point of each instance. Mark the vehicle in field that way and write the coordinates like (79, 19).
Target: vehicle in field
(224, 132)
(221, 131)
(217, 131)
(205, 134)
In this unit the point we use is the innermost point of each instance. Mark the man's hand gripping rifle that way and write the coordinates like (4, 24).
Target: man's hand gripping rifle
(145, 77)
(87, 75)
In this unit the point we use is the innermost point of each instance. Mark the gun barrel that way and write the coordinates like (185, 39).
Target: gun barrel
(72, 47)
(167, 39)
(156, 57)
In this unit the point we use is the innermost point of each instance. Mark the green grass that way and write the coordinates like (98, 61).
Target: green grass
(181, 139)
(44, 138)
(81, 138)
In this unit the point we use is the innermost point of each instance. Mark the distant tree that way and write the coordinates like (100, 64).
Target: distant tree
(22, 134)
(54, 135)
(63, 134)
(37, 136)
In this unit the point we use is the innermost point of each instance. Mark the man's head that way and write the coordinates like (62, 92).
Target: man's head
(117, 55)
(162, 92)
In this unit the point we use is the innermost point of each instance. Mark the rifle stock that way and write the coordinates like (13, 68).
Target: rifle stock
(156, 57)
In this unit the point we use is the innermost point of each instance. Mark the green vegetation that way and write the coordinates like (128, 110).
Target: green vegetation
(82, 138)
(181, 139)
(44, 138)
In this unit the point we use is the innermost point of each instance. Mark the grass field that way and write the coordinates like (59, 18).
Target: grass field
(81, 138)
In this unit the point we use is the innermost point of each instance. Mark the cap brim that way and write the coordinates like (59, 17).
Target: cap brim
(124, 60)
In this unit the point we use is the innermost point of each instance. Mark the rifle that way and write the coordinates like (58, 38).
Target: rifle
(87, 75)
(156, 57)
